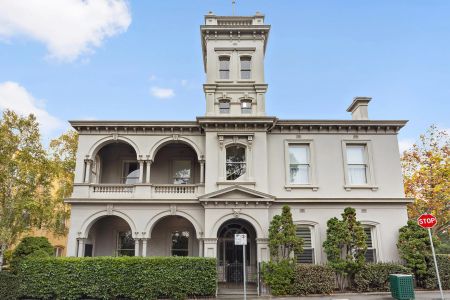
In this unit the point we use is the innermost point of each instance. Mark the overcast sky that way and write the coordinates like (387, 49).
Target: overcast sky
(141, 60)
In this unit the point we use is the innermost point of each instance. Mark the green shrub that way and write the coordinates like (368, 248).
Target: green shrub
(375, 277)
(112, 277)
(313, 279)
(27, 247)
(279, 276)
(8, 286)
(443, 261)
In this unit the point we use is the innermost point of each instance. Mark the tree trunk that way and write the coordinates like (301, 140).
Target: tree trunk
(2, 251)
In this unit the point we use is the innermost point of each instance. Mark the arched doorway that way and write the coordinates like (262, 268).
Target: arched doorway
(110, 236)
(173, 236)
(230, 257)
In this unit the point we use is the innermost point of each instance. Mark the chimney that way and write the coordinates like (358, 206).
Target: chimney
(358, 108)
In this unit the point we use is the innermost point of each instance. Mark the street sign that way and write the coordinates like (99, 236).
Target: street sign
(427, 221)
(240, 239)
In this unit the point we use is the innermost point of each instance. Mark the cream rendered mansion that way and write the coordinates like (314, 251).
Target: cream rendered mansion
(149, 188)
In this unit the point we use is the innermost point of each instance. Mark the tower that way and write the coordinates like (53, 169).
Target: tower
(233, 57)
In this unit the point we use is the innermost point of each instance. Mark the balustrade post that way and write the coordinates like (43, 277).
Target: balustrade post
(147, 175)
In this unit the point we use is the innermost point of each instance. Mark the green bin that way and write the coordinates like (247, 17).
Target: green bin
(402, 287)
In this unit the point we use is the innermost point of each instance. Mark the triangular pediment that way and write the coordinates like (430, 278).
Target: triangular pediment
(237, 192)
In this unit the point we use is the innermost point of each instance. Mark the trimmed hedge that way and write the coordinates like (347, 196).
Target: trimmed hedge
(313, 279)
(375, 277)
(443, 261)
(279, 276)
(8, 286)
(117, 277)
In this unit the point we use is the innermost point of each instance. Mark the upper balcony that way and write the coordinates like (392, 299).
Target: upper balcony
(117, 173)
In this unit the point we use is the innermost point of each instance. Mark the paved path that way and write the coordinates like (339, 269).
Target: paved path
(420, 295)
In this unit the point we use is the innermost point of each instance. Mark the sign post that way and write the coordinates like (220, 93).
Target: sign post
(428, 221)
(241, 239)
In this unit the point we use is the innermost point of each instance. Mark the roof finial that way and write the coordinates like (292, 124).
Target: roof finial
(233, 4)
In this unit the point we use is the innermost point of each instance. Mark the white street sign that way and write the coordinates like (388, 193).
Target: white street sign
(240, 239)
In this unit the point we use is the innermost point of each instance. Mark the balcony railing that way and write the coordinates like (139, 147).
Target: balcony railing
(125, 192)
(113, 188)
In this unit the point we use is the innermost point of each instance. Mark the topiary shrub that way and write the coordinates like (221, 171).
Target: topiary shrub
(8, 286)
(375, 277)
(33, 247)
(313, 279)
(117, 277)
(279, 276)
(443, 261)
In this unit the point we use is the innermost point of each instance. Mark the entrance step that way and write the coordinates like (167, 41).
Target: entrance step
(235, 292)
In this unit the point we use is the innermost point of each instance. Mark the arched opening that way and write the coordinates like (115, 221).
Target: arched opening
(173, 236)
(231, 257)
(116, 163)
(176, 163)
(109, 236)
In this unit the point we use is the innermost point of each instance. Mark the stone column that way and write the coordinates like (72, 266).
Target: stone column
(148, 166)
(80, 247)
(141, 171)
(202, 171)
(200, 247)
(144, 247)
(262, 248)
(87, 174)
(136, 247)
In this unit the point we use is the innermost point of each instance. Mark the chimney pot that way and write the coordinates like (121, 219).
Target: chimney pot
(358, 108)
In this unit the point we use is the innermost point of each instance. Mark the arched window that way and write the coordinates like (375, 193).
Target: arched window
(246, 106)
(224, 106)
(246, 67)
(235, 162)
(224, 67)
(307, 256)
(371, 253)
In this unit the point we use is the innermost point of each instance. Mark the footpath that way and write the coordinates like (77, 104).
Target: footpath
(420, 295)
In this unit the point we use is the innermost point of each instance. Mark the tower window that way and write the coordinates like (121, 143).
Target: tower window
(236, 164)
(246, 67)
(224, 106)
(224, 67)
(246, 106)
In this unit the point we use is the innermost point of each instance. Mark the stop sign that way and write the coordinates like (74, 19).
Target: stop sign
(427, 221)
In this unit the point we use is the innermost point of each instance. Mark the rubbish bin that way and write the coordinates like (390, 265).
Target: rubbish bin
(402, 287)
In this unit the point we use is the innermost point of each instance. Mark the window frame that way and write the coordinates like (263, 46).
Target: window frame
(219, 69)
(315, 238)
(370, 176)
(244, 176)
(188, 240)
(118, 248)
(223, 100)
(246, 111)
(376, 242)
(312, 165)
(191, 173)
(250, 69)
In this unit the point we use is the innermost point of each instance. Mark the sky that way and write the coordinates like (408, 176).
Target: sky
(141, 60)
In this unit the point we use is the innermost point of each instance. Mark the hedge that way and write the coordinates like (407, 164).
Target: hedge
(443, 261)
(117, 277)
(279, 276)
(313, 279)
(8, 286)
(375, 277)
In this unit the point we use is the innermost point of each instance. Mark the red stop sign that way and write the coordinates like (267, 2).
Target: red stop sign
(427, 221)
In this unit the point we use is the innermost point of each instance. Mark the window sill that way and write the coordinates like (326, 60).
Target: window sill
(245, 81)
(290, 187)
(348, 188)
(224, 81)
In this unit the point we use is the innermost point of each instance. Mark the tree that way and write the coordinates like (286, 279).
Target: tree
(345, 246)
(283, 241)
(31, 247)
(414, 247)
(63, 158)
(426, 171)
(25, 175)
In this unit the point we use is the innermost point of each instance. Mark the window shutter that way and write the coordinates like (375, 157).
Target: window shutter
(307, 256)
